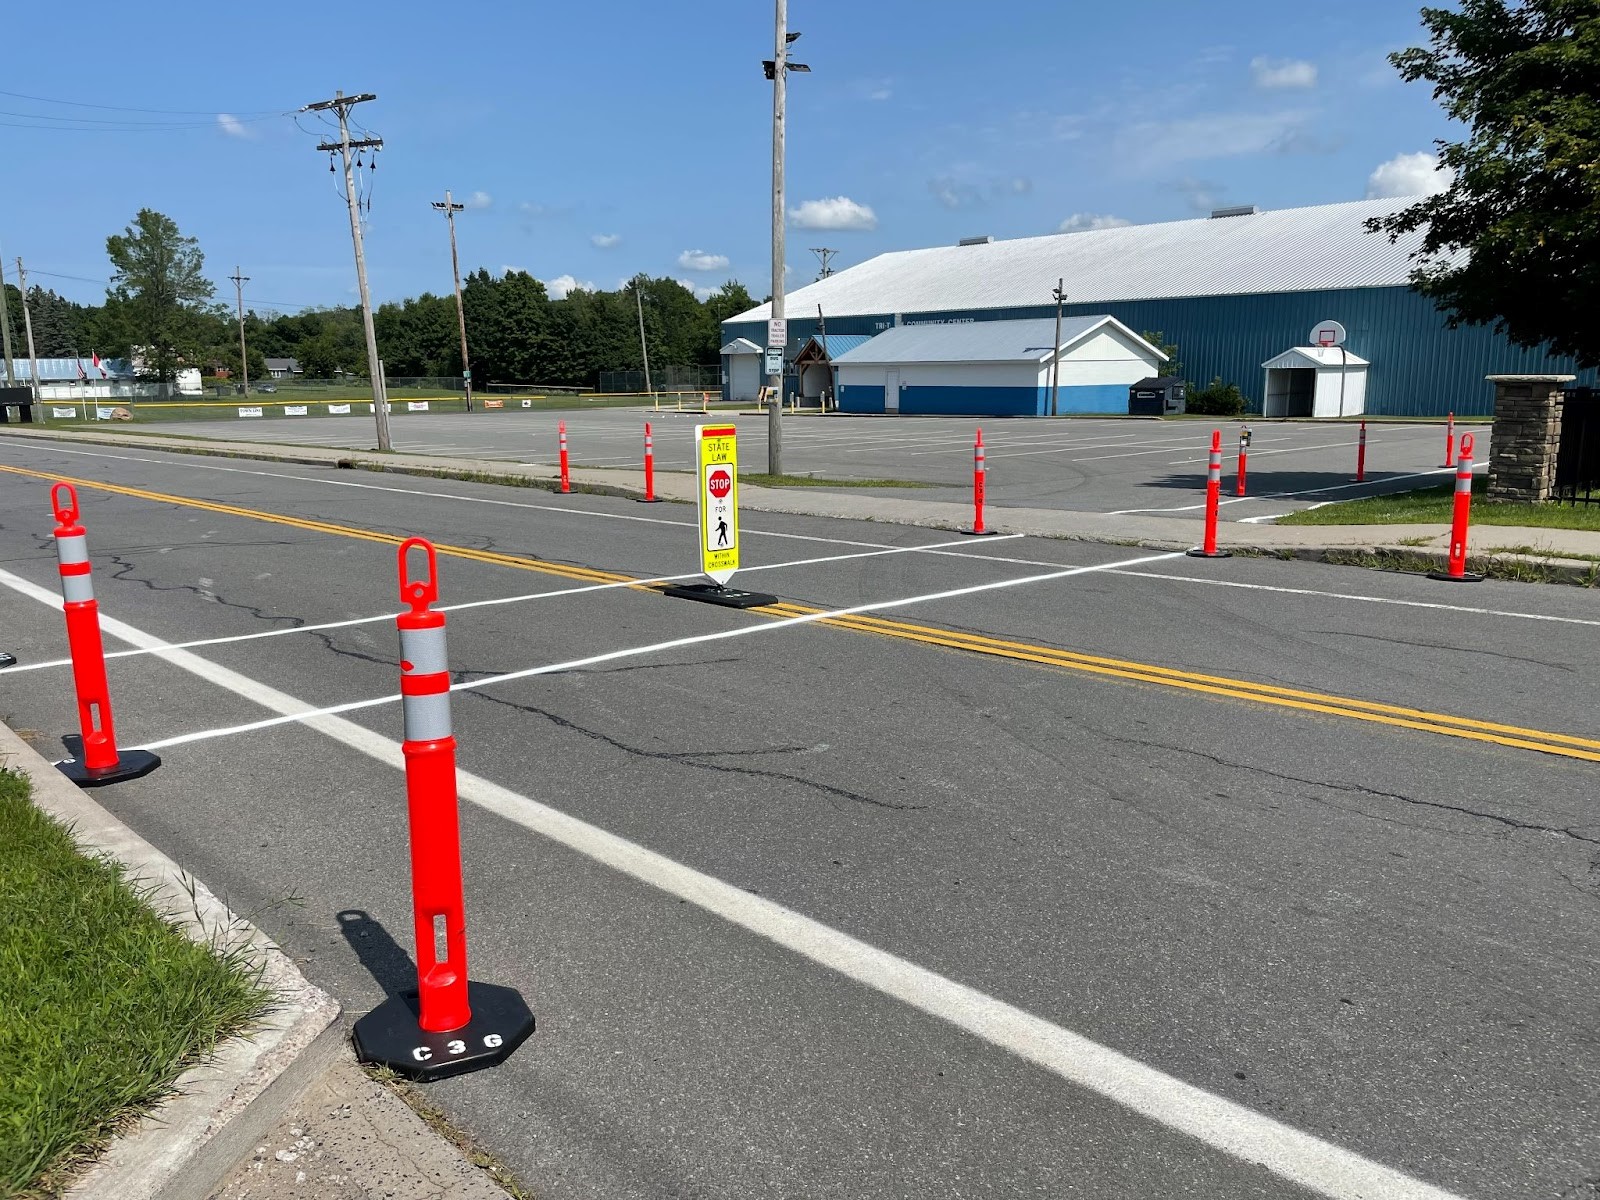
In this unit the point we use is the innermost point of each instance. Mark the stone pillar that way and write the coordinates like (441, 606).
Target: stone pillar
(1526, 437)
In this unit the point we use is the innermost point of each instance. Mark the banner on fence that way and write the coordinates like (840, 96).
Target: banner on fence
(416, 406)
(294, 410)
(339, 410)
(494, 403)
(63, 412)
(249, 412)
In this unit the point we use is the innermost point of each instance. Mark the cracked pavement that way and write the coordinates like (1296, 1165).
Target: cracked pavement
(1383, 937)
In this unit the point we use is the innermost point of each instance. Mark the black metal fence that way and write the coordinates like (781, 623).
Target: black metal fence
(1578, 459)
(664, 379)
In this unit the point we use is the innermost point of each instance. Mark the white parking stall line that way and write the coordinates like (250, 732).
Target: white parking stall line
(1373, 487)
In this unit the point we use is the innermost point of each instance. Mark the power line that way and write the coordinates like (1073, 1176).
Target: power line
(170, 112)
(239, 280)
(824, 253)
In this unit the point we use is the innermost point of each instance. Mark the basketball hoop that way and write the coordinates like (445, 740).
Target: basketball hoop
(1325, 337)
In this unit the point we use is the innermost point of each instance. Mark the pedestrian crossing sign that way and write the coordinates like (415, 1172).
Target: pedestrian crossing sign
(719, 501)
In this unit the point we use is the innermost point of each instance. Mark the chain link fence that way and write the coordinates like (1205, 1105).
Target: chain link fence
(694, 378)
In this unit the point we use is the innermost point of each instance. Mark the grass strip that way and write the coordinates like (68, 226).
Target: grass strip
(103, 1004)
(1433, 505)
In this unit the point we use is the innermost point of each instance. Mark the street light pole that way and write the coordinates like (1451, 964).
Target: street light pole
(778, 68)
(1055, 354)
(644, 348)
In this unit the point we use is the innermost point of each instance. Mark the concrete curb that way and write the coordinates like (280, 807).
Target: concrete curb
(184, 1148)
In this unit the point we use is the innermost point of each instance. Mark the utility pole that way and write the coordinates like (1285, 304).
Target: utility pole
(824, 253)
(450, 208)
(777, 69)
(5, 328)
(1055, 352)
(341, 106)
(244, 362)
(644, 349)
(27, 325)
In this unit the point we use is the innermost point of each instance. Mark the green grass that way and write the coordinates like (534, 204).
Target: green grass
(102, 1004)
(762, 479)
(1433, 506)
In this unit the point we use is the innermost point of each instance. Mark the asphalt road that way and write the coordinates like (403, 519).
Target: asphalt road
(808, 909)
(1087, 465)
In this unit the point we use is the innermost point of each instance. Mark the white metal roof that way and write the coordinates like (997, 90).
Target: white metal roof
(740, 346)
(983, 341)
(1316, 357)
(1288, 250)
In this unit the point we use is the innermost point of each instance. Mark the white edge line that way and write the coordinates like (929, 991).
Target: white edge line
(1249, 1136)
(1338, 487)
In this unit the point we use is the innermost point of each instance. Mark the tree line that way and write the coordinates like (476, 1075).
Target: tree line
(161, 309)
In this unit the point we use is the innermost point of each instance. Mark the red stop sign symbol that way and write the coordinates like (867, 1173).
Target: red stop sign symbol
(720, 483)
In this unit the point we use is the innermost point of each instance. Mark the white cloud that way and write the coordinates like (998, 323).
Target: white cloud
(479, 200)
(604, 241)
(232, 126)
(701, 291)
(562, 284)
(529, 208)
(1416, 174)
(1078, 222)
(1276, 73)
(1218, 135)
(839, 212)
(699, 260)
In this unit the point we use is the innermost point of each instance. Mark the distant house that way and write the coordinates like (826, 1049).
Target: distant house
(284, 368)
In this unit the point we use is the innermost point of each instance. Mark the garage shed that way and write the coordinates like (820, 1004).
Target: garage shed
(1315, 381)
(996, 368)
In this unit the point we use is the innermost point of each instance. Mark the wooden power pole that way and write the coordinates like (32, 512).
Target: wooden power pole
(244, 361)
(450, 208)
(341, 105)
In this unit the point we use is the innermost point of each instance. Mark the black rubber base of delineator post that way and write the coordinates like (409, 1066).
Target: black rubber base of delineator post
(711, 593)
(130, 764)
(1197, 552)
(978, 532)
(391, 1036)
(647, 499)
(1446, 577)
(8, 660)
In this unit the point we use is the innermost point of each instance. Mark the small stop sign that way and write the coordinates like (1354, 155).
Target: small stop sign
(719, 484)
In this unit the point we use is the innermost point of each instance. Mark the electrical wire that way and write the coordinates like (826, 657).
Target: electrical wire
(170, 112)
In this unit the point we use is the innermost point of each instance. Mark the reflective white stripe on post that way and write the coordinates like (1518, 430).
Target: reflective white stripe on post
(75, 589)
(427, 718)
(1214, 468)
(74, 549)
(423, 651)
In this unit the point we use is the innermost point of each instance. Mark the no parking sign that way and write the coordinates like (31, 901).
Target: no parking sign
(719, 501)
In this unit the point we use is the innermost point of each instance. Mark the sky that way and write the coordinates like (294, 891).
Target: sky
(593, 141)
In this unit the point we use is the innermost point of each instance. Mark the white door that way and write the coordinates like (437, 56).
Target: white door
(891, 391)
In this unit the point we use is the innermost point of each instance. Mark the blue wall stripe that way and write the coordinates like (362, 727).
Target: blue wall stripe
(1420, 367)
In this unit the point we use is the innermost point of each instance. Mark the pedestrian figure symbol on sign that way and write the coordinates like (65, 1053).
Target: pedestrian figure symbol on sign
(722, 532)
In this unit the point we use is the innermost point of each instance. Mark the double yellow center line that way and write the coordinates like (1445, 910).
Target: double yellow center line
(1515, 736)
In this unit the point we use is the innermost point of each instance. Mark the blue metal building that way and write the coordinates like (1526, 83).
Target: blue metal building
(1232, 292)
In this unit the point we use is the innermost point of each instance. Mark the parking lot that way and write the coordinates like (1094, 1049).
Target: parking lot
(1090, 465)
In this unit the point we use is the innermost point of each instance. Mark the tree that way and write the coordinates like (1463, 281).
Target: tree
(158, 285)
(1515, 240)
(1173, 366)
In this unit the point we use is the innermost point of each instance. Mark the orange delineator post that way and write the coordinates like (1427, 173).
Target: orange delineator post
(1461, 519)
(1361, 454)
(649, 496)
(431, 801)
(101, 761)
(566, 479)
(1213, 500)
(1450, 440)
(980, 473)
(450, 1024)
